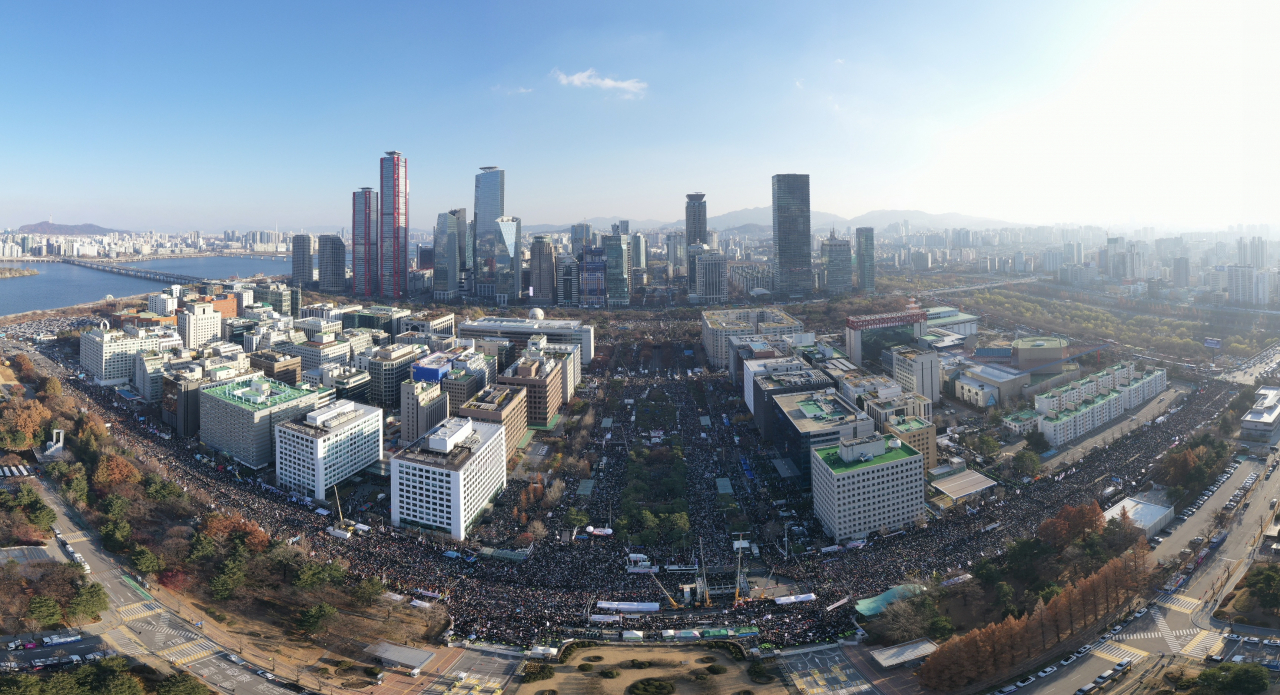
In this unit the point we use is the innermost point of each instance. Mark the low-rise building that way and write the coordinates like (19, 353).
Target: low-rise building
(1022, 422)
(918, 433)
(326, 446)
(867, 484)
(1262, 421)
(444, 480)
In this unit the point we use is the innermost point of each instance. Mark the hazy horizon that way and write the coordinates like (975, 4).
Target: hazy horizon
(1137, 113)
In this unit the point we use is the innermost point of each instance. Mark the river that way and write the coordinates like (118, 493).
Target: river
(62, 284)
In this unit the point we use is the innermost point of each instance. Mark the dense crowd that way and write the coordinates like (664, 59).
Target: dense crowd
(556, 589)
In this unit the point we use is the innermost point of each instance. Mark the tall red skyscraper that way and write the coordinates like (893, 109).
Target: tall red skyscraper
(394, 226)
(366, 268)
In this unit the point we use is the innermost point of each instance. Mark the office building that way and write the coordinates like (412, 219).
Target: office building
(712, 275)
(917, 433)
(450, 235)
(278, 366)
(162, 304)
(423, 405)
(594, 288)
(1181, 275)
(304, 253)
(677, 255)
(199, 324)
(366, 258)
(388, 367)
(568, 354)
(695, 218)
(793, 271)
(617, 270)
(520, 330)
(387, 319)
(314, 326)
(238, 416)
(837, 265)
(865, 250)
(490, 204)
(507, 264)
(809, 419)
(639, 256)
(867, 484)
(567, 281)
(542, 271)
(919, 371)
(326, 446)
(333, 264)
(502, 405)
(443, 481)
(1262, 421)
(543, 378)
(347, 382)
(107, 355)
(579, 238)
(393, 228)
(719, 326)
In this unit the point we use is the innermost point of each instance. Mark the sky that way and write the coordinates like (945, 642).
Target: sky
(211, 116)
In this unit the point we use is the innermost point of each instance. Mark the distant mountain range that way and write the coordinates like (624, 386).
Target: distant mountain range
(66, 229)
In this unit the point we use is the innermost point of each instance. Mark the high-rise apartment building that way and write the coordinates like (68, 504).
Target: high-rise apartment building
(304, 252)
(542, 271)
(865, 248)
(366, 256)
(567, 281)
(837, 265)
(450, 234)
(617, 270)
(793, 270)
(333, 264)
(393, 229)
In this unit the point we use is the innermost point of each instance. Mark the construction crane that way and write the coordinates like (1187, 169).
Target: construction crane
(706, 585)
(674, 605)
(737, 581)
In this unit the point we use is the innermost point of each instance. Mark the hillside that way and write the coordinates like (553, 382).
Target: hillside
(67, 229)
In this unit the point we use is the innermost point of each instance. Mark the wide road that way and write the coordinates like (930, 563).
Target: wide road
(136, 624)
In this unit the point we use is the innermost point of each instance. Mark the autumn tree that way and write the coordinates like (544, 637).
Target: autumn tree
(113, 470)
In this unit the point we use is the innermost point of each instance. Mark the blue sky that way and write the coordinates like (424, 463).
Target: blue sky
(176, 116)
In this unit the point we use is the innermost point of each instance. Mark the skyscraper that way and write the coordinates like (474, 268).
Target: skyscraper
(617, 270)
(677, 252)
(304, 252)
(1181, 272)
(451, 229)
(394, 226)
(594, 288)
(792, 270)
(837, 265)
(865, 249)
(579, 237)
(695, 218)
(333, 264)
(506, 264)
(567, 287)
(490, 204)
(542, 271)
(639, 253)
(713, 278)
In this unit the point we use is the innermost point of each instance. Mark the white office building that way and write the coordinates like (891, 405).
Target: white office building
(719, 326)
(444, 480)
(919, 371)
(107, 355)
(518, 331)
(327, 446)
(867, 484)
(162, 304)
(199, 325)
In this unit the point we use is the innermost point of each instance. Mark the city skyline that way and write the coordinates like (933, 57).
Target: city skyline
(1104, 113)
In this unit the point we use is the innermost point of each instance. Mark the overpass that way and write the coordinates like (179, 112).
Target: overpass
(157, 275)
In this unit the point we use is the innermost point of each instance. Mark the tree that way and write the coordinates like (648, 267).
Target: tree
(202, 546)
(987, 445)
(1026, 461)
(1246, 679)
(89, 601)
(181, 683)
(116, 507)
(368, 591)
(1264, 585)
(312, 619)
(44, 611)
(224, 585)
(1038, 442)
(52, 387)
(146, 561)
(114, 469)
(576, 517)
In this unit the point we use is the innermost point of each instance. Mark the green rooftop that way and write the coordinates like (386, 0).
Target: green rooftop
(1084, 405)
(910, 423)
(830, 455)
(250, 394)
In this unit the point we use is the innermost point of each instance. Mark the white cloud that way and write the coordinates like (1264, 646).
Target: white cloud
(630, 89)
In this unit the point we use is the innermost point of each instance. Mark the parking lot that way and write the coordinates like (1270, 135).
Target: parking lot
(220, 672)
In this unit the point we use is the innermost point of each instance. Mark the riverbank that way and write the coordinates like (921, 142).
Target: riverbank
(17, 272)
(85, 309)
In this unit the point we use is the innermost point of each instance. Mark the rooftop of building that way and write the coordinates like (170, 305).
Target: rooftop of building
(1083, 405)
(273, 356)
(963, 484)
(1040, 342)
(806, 376)
(332, 418)
(449, 445)
(946, 316)
(830, 455)
(1266, 409)
(749, 319)
(817, 410)
(494, 397)
(258, 393)
(523, 324)
(909, 424)
(1022, 416)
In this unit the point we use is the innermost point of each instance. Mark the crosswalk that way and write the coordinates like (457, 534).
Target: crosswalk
(187, 652)
(141, 609)
(1203, 644)
(1154, 634)
(124, 642)
(1117, 651)
(76, 537)
(1179, 603)
(1170, 639)
(164, 628)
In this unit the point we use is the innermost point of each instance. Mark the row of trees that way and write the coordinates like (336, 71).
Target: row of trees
(996, 649)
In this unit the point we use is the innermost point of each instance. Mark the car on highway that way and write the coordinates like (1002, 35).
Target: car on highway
(1047, 670)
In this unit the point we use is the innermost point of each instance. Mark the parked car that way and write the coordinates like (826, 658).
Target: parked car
(1026, 681)
(1047, 670)
(1067, 661)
